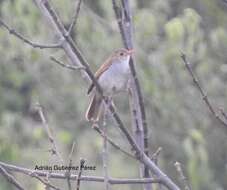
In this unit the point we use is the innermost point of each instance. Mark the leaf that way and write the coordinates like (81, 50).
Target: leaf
(174, 30)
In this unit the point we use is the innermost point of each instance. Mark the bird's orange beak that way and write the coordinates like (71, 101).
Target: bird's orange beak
(130, 51)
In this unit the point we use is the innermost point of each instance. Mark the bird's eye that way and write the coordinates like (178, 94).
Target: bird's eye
(121, 54)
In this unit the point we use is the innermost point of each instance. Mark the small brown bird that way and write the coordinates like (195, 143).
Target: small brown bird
(113, 77)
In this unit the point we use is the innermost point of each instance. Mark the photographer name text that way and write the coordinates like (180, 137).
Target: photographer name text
(63, 168)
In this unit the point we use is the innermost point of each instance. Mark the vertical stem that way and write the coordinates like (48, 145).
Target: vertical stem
(105, 149)
(139, 124)
(82, 162)
(54, 148)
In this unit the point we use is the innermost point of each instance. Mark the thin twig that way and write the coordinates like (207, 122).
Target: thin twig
(182, 176)
(54, 149)
(155, 155)
(113, 181)
(202, 92)
(82, 162)
(47, 178)
(68, 173)
(71, 67)
(75, 17)
(25, 40)
(105, 149)
(72, 150)
(11, 179)
(118, 14)
(115, 145)
(223, 113)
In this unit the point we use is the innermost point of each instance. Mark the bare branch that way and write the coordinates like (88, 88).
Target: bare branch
(125, 25)
(73, 48)
(182, 177)
(75, 17)
(74, 53)
(105, 149)
(71, 67)
(118, 14)
(68, 173)
(124, 18)
(113, 181)
(54, 148)
(10, 178)
(202, 92)
(223, 113)
(70, 47)
(82, 161)
(25, 40)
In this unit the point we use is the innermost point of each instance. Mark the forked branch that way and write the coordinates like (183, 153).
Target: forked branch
(27, 41)
(203, 93)
(73, 52)
(11, 179)
(113, 181)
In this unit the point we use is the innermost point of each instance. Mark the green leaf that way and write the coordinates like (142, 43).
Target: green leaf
(174, 30)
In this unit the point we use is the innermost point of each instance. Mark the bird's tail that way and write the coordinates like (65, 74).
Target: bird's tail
(94, 109)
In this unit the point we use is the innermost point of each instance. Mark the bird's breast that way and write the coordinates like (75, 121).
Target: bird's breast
(115, 78)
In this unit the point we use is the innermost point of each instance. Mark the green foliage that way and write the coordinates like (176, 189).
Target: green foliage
(7, 151)
(174, 30)
(197, 160)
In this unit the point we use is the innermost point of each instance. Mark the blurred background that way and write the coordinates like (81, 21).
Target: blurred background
(178, 119)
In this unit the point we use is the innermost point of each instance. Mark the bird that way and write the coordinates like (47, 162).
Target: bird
(112, 76)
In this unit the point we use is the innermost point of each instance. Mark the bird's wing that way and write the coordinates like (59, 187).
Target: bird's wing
(99, 72)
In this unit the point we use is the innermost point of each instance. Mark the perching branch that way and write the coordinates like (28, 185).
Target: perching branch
(76, 57)
(25, 40)
(202, 92)
(124, 19)
(34, 45)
